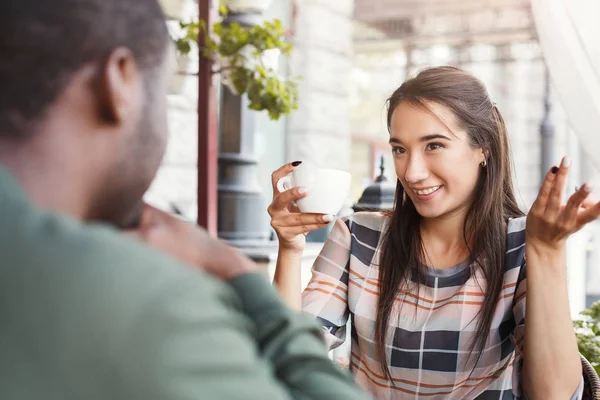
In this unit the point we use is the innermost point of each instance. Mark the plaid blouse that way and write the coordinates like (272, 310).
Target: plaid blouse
(429, 337)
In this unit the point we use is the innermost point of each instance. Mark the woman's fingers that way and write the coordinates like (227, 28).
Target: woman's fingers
(303, 230)
(552, 221)
(588, 215)
(285, 199)
(293, 208)
(572, 208)
(296, 220)
(589, 201)
(281, 172)
(557, 190)
(539, 205)
(295, 224)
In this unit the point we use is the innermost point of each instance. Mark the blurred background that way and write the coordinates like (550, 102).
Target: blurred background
(351, 55)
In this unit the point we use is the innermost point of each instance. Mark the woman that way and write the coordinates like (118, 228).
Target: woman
(437, 289)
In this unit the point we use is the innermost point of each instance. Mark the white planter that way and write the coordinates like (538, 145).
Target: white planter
(248, 5)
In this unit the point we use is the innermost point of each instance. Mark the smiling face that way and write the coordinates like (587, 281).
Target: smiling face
(434, 159)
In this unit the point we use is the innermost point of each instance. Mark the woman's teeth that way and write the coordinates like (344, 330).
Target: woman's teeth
(427, 191)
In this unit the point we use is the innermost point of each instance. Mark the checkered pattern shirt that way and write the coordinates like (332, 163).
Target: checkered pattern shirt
(429, 334)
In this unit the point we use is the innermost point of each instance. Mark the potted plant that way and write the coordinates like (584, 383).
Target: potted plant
(587, 330)
(247, 58)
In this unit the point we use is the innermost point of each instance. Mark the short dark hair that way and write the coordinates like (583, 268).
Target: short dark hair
(43, 43)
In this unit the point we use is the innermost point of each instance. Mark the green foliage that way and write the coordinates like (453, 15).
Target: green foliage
(238, 52)
(587, 330)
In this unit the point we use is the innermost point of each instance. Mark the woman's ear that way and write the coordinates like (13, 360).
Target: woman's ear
(484, 155)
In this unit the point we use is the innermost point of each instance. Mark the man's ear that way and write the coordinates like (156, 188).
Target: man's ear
(117, 86)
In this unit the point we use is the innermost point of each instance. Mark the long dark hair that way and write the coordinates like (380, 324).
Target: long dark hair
(493, 203)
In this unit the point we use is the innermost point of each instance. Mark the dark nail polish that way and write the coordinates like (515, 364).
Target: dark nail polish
(554, 170)
(296, 163)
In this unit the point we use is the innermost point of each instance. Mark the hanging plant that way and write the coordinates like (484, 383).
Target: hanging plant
(246, 58)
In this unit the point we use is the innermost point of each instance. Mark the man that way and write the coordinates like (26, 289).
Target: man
(87, 311)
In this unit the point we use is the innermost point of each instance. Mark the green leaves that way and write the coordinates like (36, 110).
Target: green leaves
(268, 92)
(587, 331)
(239, 53)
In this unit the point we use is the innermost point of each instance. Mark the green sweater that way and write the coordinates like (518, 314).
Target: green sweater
(86, 313)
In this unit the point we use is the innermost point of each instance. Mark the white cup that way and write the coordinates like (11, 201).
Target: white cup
(327, 188)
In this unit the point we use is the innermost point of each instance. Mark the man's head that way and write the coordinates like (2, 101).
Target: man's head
(83, 87)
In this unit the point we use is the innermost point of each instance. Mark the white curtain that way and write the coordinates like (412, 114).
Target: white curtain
(569, 34)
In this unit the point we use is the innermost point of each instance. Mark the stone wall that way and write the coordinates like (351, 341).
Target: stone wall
(320, 130)
(176, 181)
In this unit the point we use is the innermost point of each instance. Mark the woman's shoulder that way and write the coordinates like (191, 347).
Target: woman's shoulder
(367, 227)
(516, 225)
(516, 232)
(515, 242)
(371, 220)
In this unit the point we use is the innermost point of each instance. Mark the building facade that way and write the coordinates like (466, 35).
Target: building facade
(351, 55)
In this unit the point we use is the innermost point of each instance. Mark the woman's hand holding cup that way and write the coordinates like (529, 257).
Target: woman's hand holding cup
(290, 224)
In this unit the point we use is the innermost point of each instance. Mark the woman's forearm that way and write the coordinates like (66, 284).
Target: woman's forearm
(288, 277)
(552, 367)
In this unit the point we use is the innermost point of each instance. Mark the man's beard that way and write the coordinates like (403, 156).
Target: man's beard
(121, 202)
(119, 206)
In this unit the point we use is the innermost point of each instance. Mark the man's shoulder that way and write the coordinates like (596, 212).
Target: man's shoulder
(43, 238)
(95, 265)
(80, 295)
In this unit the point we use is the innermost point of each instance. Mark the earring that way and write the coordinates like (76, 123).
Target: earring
(484, 163)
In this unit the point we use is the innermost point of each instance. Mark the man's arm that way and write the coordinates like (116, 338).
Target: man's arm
(197, 340)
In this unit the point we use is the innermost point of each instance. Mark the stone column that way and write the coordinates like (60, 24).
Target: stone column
(547, 130)
(175, 186)
(320, 130)
(241, 217)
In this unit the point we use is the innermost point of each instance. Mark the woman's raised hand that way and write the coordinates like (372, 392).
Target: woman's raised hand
(550, 222)
(289, 223)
